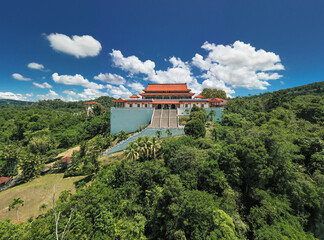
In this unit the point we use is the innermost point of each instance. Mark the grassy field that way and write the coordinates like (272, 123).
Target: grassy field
(34, 193)
(106, 160)
(41, 189)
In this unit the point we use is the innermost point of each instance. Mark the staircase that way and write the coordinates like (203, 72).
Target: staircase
(164, 118)
(173, 118)
(156, 120)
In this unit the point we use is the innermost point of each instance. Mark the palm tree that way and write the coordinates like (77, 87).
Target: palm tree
(168, 132)
(15, 205)
(43, 207)
(132, 151)
(211, 115)
(158, 133)
(214, 134)
(155, 146)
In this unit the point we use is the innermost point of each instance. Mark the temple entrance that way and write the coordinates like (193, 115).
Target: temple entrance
(165, 106)
(173, 106)
(159, 106)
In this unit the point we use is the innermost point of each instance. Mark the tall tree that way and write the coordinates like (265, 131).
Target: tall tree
(213, 93)
(15, 205)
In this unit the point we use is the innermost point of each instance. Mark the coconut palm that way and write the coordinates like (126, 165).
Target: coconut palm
(132, 151)
(214, 134)
(211, 115)
(158, 133)
(15, 205)
(168, 132)
(155, 146)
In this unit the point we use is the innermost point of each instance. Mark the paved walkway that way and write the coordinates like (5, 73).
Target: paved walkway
(146, 132)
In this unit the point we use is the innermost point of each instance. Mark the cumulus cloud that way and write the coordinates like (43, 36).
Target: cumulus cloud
(20, 77)
(136, 87)
(132, 64)
(77, 79)
(118, 91)
(42, 85)
(78, 46)
(225, 67)
(36, 66)
(15, 96)
(87, 94)
(110, 78)
(179, 73)
(50, 95)
(237, 65)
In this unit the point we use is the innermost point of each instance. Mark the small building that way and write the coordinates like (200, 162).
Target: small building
(89, 107)
(66, 160)
(3, 180)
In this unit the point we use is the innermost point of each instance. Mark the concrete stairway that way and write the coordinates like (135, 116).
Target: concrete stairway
(173, 118)
(165, 118)
(156, 120)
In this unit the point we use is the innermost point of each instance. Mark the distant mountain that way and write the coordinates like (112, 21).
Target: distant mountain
(316, 88)
(10, 102)
(105, 101)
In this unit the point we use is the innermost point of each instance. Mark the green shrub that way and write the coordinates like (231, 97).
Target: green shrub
(195, 128)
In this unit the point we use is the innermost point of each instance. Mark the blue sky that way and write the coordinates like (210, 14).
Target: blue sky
(85, 49)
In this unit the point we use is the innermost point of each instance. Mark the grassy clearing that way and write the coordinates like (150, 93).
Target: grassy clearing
(34, 193)
(106, 160)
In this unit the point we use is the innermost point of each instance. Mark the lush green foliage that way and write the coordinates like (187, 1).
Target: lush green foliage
(213, 93)
(258, 175)
(29, 136)
(195, 127)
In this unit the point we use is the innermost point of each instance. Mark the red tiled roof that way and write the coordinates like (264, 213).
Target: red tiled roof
(165, 102)
(88, 103)
(4, 179)
(217, 100)
(200, 96)
(119, 100)
(156, 94)
(66, 159)
(167, 87)
(134, 96)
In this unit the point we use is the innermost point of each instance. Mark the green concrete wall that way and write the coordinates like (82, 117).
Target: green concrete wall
(129, 119)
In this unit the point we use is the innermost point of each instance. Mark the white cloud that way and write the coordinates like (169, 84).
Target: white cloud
(78, 46)
(136, 87)
(20, 77)
(42, 85)
(132, 64)
(87, 94)
(118, 92)
(225, 67)
(237, 65)
(77, 79)
(34, 65)
(179, 73)
(110, 78)
(50, 95)
(15, 96)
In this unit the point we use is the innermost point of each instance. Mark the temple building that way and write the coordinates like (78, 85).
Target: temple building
(159, 107)
(168, 96)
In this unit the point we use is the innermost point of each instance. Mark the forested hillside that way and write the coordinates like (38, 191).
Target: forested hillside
(41, 133)
(256, 175)
(9, 102)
